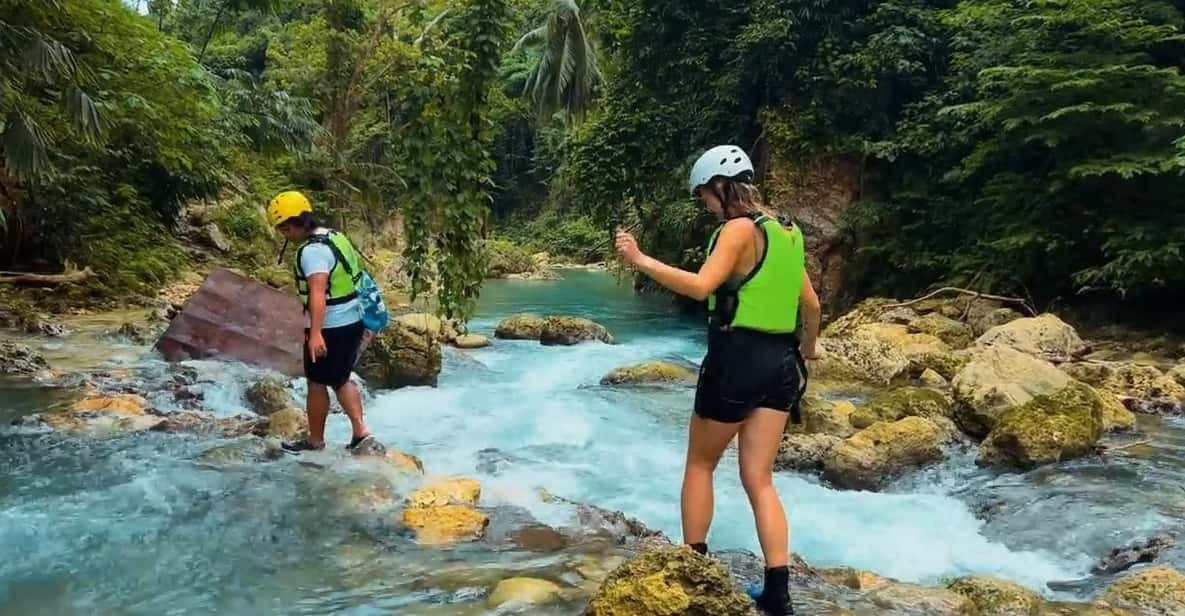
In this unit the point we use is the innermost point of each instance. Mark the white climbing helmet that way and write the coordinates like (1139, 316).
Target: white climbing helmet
(727, 161)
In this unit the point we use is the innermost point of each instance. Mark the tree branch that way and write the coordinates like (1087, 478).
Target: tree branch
(976, 295)
(66, 277)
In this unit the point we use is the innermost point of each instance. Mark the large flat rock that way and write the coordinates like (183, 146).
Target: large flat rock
(234, 317)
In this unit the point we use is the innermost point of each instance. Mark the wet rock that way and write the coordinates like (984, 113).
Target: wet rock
(205, 424)
(567, 331)
(823, 416)
(450, 330)
(855, 579)
(539, 538)
(1153, 591)
(522, 591)
(445, 524)
(101, 414)
(362, 498)
(456, 490)
(1127, 380)
(882, 451)
(650, 373)
(909, 598)
(472, 341)
(404, 461)
(995, 596)
(866, 312)
(520, 327)
(287, 424)
(1116, 416)
(673, 581)
(1163, 407)
(898, 316)
(998, 379)
(137, 333)
(422, 323)
(45, 326)
(804, 452)
(954, 333)
(405, 354)
(1122, 559)
(1046, 429)
(20, 359)
(267, 396)
(900, 403)
(213, 236)
(596, 569)
(623, 529)
(1046, 337)
(369, 447)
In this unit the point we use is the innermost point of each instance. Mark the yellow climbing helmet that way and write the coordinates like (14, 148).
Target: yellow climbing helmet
(286, 205)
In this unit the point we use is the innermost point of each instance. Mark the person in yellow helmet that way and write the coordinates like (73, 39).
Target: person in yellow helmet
(326, 269)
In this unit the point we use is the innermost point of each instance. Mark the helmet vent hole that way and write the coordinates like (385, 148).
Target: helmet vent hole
(737, 159)
(723, 161)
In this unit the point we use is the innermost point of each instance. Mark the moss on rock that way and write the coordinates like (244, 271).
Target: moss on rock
(998, 597)
(901, 403)
(673, 581)
(1061, 426)
(649, 373)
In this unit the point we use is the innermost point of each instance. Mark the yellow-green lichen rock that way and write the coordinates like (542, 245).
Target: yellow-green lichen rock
(673, 581)
(997, 379)
(883, 451)
(567, 331)
(1154, 591)
(823, 416)
(520, 591)
(902, 403)
(958, 335)
(899, 597)
(1061, 426)
(1127, 379)
(268, 396)
(522, 326)
(649, 373)
(999, 597)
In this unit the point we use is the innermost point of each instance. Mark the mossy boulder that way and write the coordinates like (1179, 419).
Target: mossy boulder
(954, 333)
(267, 396)
(567, 331)
(1154, 591)
(1178, 374)
(288, 424)
(882, 353)
(883, 451)
(504, 259)
(20, 359)
(520, 327)
(650, 373)
(823, 416)
(866, 312)
(405, 354)
(1046, 429)
(673, 581)
(997, 379)
(471, 341)
(804, 452)
(1127, 379)
(998, 597)
(902, 598)
(1045, 336)
(901, 403)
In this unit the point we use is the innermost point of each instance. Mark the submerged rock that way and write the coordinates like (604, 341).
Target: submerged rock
(192, 422)
(882, 451)
(406, 354)
(622, 529)
(901, 403)
(101, 414)
(521, 591)
(1046, 337)
(268, 396)
(567, 331)
(650, 373)
(20, 359)
(1122, 559)
(804, 452)
(673, 581)
(1153, 591)
(1060, 426)
(522, 326)
(991, 595)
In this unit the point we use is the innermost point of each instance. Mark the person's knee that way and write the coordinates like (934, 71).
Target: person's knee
(755, 480)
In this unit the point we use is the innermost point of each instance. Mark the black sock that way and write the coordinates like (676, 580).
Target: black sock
(700, 548)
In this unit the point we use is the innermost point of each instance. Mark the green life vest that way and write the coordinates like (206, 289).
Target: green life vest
(343, 277)
(767, 299)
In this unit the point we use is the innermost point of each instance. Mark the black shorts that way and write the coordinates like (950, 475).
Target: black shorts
(745, 370)
(341, 353)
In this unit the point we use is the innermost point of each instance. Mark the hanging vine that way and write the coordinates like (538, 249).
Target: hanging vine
(447, 141)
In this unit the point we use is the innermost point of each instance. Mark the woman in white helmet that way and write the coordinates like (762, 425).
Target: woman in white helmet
(752, 378)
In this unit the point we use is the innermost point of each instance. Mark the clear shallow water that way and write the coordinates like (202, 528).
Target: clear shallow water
(140, 524)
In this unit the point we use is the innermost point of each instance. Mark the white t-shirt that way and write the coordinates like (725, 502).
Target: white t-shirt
(317, 258)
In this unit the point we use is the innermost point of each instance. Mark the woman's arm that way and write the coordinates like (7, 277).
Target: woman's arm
(812, 313)
(698, 286)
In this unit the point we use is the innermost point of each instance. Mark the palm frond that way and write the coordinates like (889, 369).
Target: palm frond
(24, 142)
(566, 74)
(83, 113)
